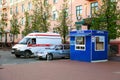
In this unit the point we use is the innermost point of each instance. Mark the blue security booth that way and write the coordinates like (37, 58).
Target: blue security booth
(89, 45)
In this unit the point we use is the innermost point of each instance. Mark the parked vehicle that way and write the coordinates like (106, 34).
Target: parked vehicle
(34, 42)
(55, 51)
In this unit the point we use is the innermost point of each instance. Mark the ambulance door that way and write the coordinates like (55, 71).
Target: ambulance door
(32, 45)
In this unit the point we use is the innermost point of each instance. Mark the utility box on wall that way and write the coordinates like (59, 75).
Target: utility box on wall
(89, 45)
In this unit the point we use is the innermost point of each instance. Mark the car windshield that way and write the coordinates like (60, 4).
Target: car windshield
(24, 41)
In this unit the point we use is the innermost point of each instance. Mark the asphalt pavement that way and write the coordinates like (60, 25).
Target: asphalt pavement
(8, 58)
(61, 69)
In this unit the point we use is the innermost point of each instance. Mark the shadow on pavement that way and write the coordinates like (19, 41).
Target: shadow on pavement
(115, 58)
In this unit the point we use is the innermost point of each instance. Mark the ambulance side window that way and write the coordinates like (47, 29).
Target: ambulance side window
(33, 41)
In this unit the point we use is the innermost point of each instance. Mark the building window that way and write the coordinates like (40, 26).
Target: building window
(94, 7)
(11, 12)
(0, 3)
(99, 43)
(54, 15)
(23, 8)
(55, 30)
(23, 21)
(78, 11)
(46, 2)
(0, 13)
(80, 42)
(16, 9)
(11, 1)
(29, 6)
(114, 0)
(66, 12)
(55, 1)
(29, 20)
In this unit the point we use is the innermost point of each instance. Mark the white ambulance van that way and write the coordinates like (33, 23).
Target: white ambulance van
(34, 42)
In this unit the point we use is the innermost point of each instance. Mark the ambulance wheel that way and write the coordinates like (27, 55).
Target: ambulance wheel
(17, 56)
(49, 57)
(27, 54)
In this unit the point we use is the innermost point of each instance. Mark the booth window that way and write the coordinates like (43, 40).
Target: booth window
(80, 43)
(100, 42)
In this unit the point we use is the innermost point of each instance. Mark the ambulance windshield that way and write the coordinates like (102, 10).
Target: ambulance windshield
(24, 41)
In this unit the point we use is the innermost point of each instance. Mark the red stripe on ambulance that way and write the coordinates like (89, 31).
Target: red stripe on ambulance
(39, 45)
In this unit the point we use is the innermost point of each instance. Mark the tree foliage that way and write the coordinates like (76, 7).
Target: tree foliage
(15, 26)
(63, 21)
(3, 24)
(107, 18)
(41, 15)
(27, 28)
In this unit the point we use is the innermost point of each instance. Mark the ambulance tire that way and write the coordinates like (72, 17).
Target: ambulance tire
(17, 56)
(27, 54)
(49, 57)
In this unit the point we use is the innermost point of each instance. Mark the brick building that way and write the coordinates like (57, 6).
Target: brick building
(77, 11)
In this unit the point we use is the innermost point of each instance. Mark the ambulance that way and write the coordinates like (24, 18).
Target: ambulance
(34, 42)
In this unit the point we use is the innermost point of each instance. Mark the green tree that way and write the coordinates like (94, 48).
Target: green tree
(107, 18)
(63, 21)
(41, 15)
(15, 26)
(27, 28)
(3, 24)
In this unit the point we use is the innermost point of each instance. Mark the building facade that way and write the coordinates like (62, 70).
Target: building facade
(8, 8)
(77, 11)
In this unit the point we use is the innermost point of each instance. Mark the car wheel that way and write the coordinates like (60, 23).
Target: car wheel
(49, 57)
(27, 54)
(17, 56)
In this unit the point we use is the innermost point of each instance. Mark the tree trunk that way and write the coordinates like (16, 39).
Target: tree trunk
(13, 39)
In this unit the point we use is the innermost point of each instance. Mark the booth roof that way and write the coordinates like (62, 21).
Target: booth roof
(81, 34)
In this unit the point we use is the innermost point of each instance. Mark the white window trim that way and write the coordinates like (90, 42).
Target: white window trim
(81, 45)
(95, 44)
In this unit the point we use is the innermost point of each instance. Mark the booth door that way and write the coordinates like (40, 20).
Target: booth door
(99, 50)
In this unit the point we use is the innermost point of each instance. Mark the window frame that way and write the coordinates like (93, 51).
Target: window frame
(11, 1)
(11, 11)
(54, 17)
(81, 46)
(93, 7)
(101, 41)
(55, 1)
(78, 11)
(23, 9)
(66, 12)
(29, 5)
(16, 9)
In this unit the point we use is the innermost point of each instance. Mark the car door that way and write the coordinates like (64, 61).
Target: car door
(32, 45)
(58, 52)
(66, 51)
